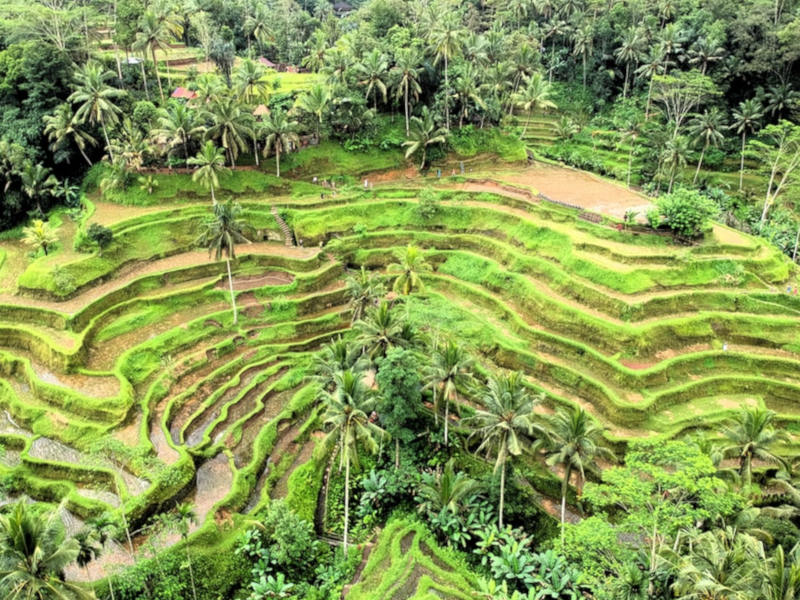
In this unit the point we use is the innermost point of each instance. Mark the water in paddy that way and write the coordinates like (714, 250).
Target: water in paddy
(214, 480)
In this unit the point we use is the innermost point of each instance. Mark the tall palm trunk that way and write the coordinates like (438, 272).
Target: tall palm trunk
(502, 494)
(649, 97)
(741, 164)
(527, 122)
(144, 80)
(405, 102)
(346, 503)
(700, 163)
(446, 420)
(158, 77)
(213, 197)
(105, 135)
(630, 165)
(446, 96)
(191, 572)
(564, 488)
(746, 470)
(83, 154)
(255, 149)
(278, 160)
(627, 73)
(230, 285)
(396, 453)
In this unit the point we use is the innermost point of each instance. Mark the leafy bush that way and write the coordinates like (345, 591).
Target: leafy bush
(688, 212)
(100, 235)
(428, 204)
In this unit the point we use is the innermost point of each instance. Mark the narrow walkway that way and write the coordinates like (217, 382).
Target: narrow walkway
(288, 236)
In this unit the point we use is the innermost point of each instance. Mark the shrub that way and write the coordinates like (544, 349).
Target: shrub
(688, 212)
(100, 235)
(428, 204)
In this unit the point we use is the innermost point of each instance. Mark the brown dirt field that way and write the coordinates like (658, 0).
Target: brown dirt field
(579, 188)
(252, 282)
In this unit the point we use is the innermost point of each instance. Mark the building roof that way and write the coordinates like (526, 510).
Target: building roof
(184, 93)
(260, 110)
(266, 62)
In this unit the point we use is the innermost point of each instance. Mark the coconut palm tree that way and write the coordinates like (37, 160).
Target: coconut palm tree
(450, 369)
(178, 126)
(467, 89)
(447, 490)
(34, 551)
(707, 127)
(61, 128)
(673, 158)
(628, 53)
(364, 289)
(281, 134)
(411, 264)
(210, 163)
(583, 41)
(424, 133)
(504, 424)
(446, 41)
(379, 330)
(153, 35)
(37, 183)
(782, 577)
(337, 356)
(751, 434)
(89, 548)
(96, 98)
(574, 443)
(230, 125)
(372, 72)
(222, 231)
(407, 72)
(534, 95)
(630, 134)
(746, 118)
(315, 102)
(249, 79)
(347, 419)
(656, 63)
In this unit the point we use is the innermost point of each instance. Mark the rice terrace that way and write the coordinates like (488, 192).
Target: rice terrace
(399, 299)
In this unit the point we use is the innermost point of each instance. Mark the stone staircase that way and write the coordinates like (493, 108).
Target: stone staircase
(288, 236)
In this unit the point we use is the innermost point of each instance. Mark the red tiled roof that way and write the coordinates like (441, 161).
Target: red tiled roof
(184, 93)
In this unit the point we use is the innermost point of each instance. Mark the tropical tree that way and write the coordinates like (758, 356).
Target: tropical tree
(315, 102)
(656, 63)
(411, 264)
(364, 290)
(249, 79)
(178, 127)
(746, 118)
(450, 368)
(782, 577)
(34, 552)
(534, 95)
(210, 163)
(96, 98)
(347, 410)
(229, 125)
(222, 231)
(424, 133)
(778, 149)
(629, 53)
(751, 434)
(37, 183)
(185, 517)
(503, 423)
(89, 548)
(447, 490)
(379, 330)
(152, 36)
(673, 158)
(337, 356)
(372, 72)
(707, 128)
(407, 72)
(574, 443)
(583, 40)
(281, 134)
(446, 41)
(61, 129)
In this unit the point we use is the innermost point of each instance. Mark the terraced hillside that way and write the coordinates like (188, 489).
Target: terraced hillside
(125, 382)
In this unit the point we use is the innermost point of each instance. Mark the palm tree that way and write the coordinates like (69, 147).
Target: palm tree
(210, 163)
(501, 425)
(37, 183)
(628, 53)
(249, 79)
(153, 35)
(423, 134)
(447, 490)
(574, 444)
(746, 118)
(782, 577)
(673, 158)
(379, 330)
(347, 410)
(583, 40)
(467, 88)
(707, 127)
(446, 39)
(61, 128)
(450, 369)
(411, 263)
(407, 71)
(781, 98)
(315, 102)
(534, 95)
(657, 63)
(34, 552)
(185, 517)
(629, 135)
(96, 98)
(178, 126)
(751, 434)
(230, 125)
(89, 548)
(222, 232)
(364, 290)
(281, 134)
(373, 70)
(337, 356)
